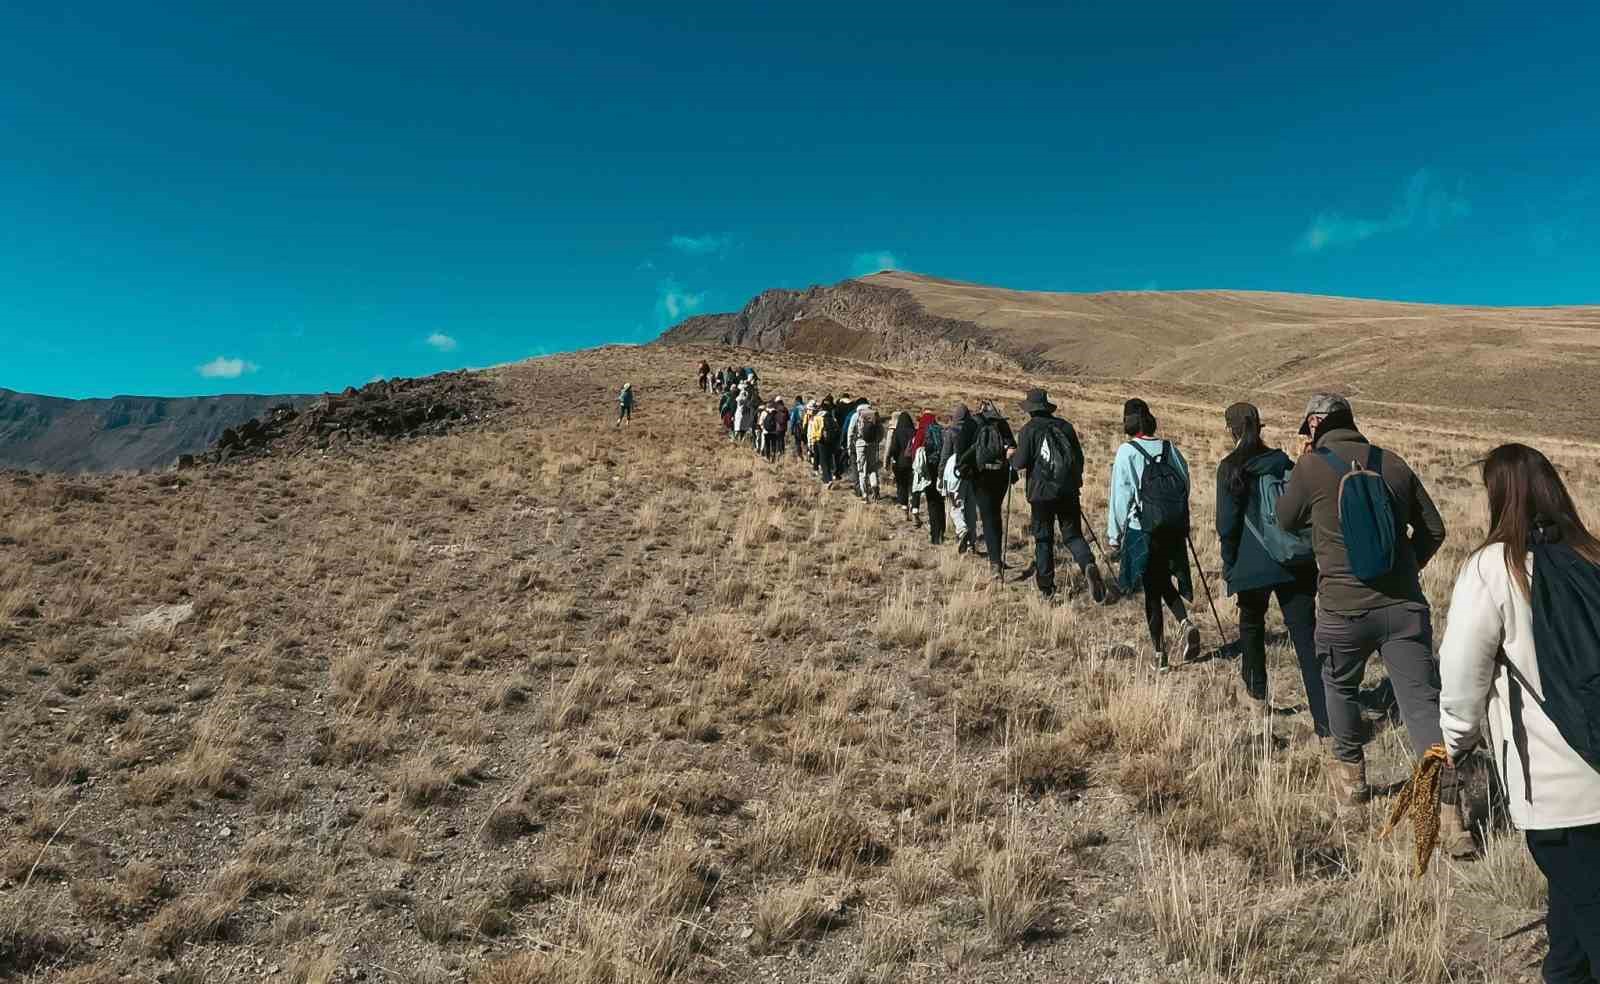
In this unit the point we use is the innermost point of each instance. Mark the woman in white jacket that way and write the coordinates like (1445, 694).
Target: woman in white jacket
(1492, 690)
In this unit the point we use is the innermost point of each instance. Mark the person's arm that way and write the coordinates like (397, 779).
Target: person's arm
(1120, 496)
(1294, 506)
(1022, 457)
(1472, 638)
(1230, 522)
(1427, 526)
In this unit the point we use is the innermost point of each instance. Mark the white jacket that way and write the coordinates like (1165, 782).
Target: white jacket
(1489, 616)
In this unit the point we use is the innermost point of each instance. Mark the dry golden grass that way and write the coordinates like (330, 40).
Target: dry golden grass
(651, 709)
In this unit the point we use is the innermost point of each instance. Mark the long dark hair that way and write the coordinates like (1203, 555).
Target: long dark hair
(1528, 504)
(1244, 423)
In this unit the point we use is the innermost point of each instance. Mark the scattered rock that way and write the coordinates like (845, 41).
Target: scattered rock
(162, 618)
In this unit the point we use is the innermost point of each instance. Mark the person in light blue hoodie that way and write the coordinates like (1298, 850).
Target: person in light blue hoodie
(1155, 562)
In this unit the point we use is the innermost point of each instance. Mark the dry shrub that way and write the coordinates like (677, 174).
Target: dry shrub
(916, 878)
(1045, 763)
(1011, 890)
(790, 913)
(995, 706)
(799, 830)
(1153, 780)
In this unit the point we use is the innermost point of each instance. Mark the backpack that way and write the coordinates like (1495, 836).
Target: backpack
(769, 423)
(1052, 474)
(1366, 515)
(1566, 621)
(989, 448)
(871, 430)
(1163, 502)
(933, 449)
(830, 426)
(1261, 519)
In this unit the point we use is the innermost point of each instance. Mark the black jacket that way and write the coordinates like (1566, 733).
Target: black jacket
(1029, 442)
(1246, 565)
(955, 436)
(900, 441)
(967, 440)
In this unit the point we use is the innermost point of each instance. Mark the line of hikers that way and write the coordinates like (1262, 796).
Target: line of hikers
(1339, 535)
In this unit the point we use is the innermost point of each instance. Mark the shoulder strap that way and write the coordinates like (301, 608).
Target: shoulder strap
(1340, 466)
(1145, 454)
(1518, 685)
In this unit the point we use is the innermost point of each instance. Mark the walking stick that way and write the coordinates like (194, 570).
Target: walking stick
(1222, 633)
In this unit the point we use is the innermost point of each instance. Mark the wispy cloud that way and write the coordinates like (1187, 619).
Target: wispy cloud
(874, 261)
(707, 245)
(674, 302)
(1423, 204)
(442, 342)
(223, 367)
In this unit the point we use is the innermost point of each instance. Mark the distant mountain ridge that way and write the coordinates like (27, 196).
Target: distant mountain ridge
(47, 433)
(1524, 362)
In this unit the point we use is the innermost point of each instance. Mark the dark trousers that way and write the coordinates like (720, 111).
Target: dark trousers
(1298, 602)
(989, 498)
(799, 443)
(902, 484)
(772, 446)
(624, 412)
(827, 457)
(1570, 860)
(935, 513)
(1066, 511)
(1160, 586)
(1403, 636)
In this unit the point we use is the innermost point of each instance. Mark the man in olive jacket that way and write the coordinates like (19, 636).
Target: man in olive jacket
(1389, 615)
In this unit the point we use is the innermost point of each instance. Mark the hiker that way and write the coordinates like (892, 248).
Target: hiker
(983, 452)
(1519, 657)
(1049, 451)
(897, 458)
(1259, 561)
(797, 426)
(824, 437)
(866, 439)
(1358, 500)
(927, 445)
(777, 420)
(704, 373)
(725, 407)
(625, 404)
(1148, 523)
(953, 485)
(742, 416)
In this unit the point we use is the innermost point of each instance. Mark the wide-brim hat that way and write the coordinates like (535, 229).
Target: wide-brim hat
(1036, 401)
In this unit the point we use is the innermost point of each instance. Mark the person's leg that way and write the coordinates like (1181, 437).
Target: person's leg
(1253, 642)
(825, 457)
(1069, 513)
(935, 516)
(990, 500)
(1570, 860)
(1155, 580)
(1298, 602)
(1344, 641)
(957, 514)
(1042, 517)
(969, 510)
(1407, 650)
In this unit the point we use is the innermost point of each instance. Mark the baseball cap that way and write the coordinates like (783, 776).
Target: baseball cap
(1322, 404)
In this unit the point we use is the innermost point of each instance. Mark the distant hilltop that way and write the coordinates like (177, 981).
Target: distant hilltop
(1506, 360)
(124, 433)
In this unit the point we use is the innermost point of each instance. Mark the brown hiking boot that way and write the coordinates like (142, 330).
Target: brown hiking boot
(1348, 783)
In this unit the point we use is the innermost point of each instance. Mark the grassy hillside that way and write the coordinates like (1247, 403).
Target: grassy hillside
(546, 701)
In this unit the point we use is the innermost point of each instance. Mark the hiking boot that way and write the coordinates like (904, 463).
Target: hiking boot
(1348, 783)
(963, 543)
(1159, 661)
(1455, 840)
(1189, 635)
(1097, 584)
(916, 518)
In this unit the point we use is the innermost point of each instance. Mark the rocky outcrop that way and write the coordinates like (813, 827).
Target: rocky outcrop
(381, 411)
(853, 319)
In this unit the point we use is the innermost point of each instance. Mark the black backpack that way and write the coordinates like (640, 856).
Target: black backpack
(1051, 476)
(1566, 626)
(1163, 502)
(989, 449)
(932, 451)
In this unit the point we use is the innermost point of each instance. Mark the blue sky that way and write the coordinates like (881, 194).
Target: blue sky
(292, 197)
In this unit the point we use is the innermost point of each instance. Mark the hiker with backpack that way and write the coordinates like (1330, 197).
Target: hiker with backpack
(897, 458)
(866, 439)
(797, 426)
(1148, 523)
(704, 375)
(927, 445)
(1373, 529)
(725, 408)
(743, 415)
(985, 467)
(1049, 451)
(1520, 659)
(824, 438)
(773, 434)
(962, 511)
(625, 404)
(1260, 560)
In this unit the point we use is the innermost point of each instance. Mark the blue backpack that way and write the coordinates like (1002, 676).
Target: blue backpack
(1366, 515)
(1261, 519)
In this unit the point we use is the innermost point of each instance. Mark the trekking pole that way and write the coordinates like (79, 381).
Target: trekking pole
(1222, 633)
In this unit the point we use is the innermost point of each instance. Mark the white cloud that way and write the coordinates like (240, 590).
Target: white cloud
(223, 367)
(874, 261)
(701, 245)
(1423, 204)
(675, 303)
(441, 341)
